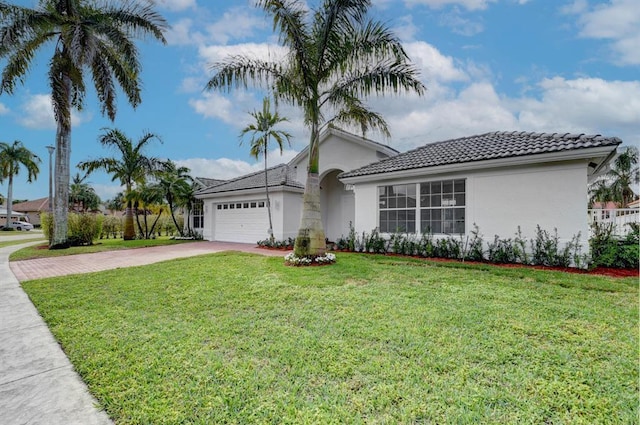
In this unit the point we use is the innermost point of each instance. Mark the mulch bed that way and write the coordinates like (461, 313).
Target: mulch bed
(600, 271)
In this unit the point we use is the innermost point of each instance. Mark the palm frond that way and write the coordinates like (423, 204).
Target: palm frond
(240, 71)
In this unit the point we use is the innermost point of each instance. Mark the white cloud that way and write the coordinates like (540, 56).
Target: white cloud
(177, 5)
(38, 113)
(617, 21)
(106, 191)
(467, 4)
(3, 109)
(433, 65)
(225, 168)
(459, 24)
(236, 23)
(405, 29)
(215, 105)
(181, 33)
(585, 105)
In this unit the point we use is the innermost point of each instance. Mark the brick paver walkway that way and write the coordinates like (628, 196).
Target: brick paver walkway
(99, 261)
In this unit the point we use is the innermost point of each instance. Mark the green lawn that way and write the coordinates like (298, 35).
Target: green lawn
(41, 251)
(5, 242)
(239, 338)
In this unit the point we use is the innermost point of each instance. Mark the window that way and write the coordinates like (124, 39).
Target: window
(253, 205)
(261, 204)
(442, 206)
(245, 205)
(439, 208)
(219, 206)
(397, 205)
(197, 214)
(238, 205)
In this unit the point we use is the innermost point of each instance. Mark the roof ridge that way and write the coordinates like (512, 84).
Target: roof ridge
(486, 146)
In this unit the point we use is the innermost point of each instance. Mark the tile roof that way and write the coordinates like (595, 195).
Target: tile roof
(41, 204)
(280, 175)
(207, 182)
(484, 147)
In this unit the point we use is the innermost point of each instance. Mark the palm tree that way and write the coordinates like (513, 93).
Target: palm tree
(175, 184)
(131, 167)
(262, 131)
(116, 203)
(89, 36)
(11, 158)
(336, 56)
(145, 198)
(82, 197)
(616, 184)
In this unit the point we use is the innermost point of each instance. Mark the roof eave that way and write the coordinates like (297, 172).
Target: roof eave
(249, 191)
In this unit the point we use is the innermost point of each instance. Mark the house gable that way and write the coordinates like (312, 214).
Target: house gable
(340, 150)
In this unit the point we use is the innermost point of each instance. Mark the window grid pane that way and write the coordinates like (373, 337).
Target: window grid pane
(442, 206)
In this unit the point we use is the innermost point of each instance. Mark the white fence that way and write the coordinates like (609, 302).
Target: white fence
(620, 218)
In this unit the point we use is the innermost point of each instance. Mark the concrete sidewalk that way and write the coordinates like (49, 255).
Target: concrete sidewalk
(38, 384)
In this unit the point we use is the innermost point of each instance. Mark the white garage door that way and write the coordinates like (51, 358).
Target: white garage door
(241, 221)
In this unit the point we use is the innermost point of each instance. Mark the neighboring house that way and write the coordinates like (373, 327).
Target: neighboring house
(33, 209)
(498, 181)
(620, 218)
(14, 215)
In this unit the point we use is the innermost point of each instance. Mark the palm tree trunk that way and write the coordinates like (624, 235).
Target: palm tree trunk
(266, 189)
(61, 191)
(129, 230)
(153, 226)
(173, 217)
(9, 200)
(311, 238)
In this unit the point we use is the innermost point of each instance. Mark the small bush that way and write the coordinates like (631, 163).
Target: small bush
(84, 228)
(46, 221)
(607, 250)
(473, 249)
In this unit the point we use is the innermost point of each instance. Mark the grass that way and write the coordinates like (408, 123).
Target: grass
(239, 338)
(17, 241)
(41, 251)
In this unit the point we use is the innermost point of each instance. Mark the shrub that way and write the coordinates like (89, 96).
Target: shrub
(607, 250)
(46, 221)
(473, 249)
(84, 228)
(111, 227)
(502, 251)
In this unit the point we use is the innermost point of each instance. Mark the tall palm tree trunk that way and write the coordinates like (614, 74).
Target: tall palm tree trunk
(61, 191)
(9, 200)
(311, 237)
(129, 229)
(173, 217)
(266, 189)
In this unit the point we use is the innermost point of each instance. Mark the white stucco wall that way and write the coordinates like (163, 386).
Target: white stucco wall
(337, 154)
(291, 214)
(501, 199)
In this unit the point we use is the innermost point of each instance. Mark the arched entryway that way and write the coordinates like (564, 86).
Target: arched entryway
(338, 206)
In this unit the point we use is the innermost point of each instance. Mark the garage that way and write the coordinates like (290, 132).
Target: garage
(241, 221)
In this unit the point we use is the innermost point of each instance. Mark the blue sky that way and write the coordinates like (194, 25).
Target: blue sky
(489, 65)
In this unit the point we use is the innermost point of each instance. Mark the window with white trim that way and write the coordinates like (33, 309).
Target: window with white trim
(428, 207)
(197, 214)
(397, 206)
(442, 206)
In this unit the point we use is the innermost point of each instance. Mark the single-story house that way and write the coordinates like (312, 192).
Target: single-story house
(497, 181)
(14, 215)
(33, 209)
